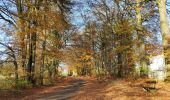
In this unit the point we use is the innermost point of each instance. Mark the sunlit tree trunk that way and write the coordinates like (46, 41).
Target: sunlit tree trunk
(42, 61)
(140, 41)
(164, 31)
(21, 33)
(32, 53)
(31, 58)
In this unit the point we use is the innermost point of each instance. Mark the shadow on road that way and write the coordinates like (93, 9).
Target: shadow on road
(65, 92)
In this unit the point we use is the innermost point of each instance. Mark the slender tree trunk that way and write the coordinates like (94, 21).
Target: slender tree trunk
(16, 69)
(29, 64)
(42, 61)
(56, 65)
(120, 66)
(140, 46)
(31, 58)
(34, 38)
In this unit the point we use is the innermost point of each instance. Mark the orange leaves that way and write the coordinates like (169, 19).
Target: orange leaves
(123, 27)
(122, 48)
(51, 20)
(86, 57)
(154, 49)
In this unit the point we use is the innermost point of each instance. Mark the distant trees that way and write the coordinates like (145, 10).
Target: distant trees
(109, 38)
(118, 36)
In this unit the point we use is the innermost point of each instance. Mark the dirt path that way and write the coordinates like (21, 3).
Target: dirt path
(91, 89)
(121, 89)
(64, 92)
(75, 89)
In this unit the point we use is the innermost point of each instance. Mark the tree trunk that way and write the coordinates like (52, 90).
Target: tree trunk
(140, 45)
(120, 66)
(21, 34)
(29, 65)
(16, 69)
(31, 59)
(42, 62)
(164, 31)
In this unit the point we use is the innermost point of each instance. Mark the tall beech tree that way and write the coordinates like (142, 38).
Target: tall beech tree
(164, 31)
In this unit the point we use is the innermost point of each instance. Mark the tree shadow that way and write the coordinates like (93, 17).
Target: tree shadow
(65, 92)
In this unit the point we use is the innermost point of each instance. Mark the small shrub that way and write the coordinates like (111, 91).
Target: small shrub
(143, 72)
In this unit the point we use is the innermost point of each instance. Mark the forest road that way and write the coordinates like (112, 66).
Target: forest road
(65, 92)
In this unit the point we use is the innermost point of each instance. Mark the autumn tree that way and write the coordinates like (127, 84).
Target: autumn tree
(34, 22)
